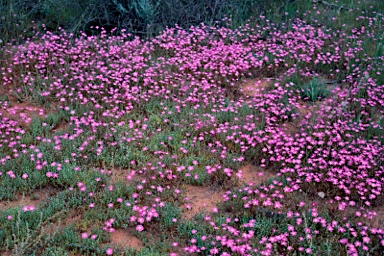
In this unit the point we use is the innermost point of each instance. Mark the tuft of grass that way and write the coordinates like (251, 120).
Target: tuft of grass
(314, 90)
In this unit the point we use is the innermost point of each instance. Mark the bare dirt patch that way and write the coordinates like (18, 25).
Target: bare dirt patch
(200, 199)
(60, 127)
(378, 220)
(204, 199)
(6, 253)
(253, 175)
(124, 238)
(253, 86)
(21, 112)
(72, 217)
(124, 175)
(34, 199)
(119, 175)
(304, 109)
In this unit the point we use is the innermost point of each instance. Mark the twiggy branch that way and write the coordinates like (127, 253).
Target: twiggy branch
(38, 232)
(334, 6)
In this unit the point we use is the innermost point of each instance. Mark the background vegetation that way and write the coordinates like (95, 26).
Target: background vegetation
(148, 17)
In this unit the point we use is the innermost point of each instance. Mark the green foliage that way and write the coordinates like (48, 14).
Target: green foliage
(4, 100)
(142, 17)
(55, 250)
(168, 213)
(39, 127)
(26, 231)
(314, 90)
(149, 252)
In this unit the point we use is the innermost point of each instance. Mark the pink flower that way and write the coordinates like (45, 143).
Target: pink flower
(28, 208)
(366, 239)
(24, 176)
(109, 251)
(214, 250)
(139, 228)
(84, 235)
(278, 205)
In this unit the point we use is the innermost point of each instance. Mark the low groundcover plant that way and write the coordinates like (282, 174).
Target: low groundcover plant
(125, 132)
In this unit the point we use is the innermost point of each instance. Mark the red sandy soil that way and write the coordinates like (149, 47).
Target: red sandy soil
(252, 86)
(201, 199)
(124, 238)
(35, 198)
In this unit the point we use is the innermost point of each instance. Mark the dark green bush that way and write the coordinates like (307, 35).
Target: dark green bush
(140, 17)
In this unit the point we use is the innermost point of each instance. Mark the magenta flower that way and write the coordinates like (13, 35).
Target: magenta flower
(214, 251)
(109, 251)
(139, 228)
